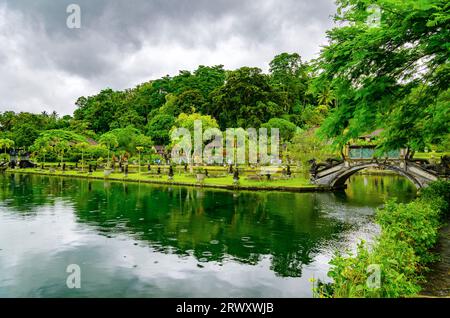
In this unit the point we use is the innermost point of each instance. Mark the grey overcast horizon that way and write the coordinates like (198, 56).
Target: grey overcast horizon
(46, 66)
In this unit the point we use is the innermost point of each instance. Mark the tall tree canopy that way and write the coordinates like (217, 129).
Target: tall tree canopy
(24, 128)
(393, 74)
(289, 79)
(159, 127)
(246, 99)
(187, 92)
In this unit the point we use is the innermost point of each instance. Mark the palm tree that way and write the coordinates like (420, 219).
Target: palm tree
(6, 143)
(327, 97)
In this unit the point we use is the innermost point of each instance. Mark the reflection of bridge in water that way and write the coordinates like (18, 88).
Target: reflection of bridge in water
(335, 173)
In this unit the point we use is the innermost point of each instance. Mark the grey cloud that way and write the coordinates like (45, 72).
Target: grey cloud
(124, 42)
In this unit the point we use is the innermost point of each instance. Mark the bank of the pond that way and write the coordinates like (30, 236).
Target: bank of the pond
(295, 184)
(394, 266)
(438, 279)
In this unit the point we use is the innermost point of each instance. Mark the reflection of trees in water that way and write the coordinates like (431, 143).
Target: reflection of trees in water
(23, 192)
(210, 225)
(289, 261)
(373, 190)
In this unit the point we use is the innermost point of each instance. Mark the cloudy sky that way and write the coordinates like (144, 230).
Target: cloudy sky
(44, 65)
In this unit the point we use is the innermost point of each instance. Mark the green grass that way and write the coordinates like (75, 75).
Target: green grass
(296, 182)
(213, 169)
(430, 155)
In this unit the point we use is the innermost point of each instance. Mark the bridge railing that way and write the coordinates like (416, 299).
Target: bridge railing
(355, 152)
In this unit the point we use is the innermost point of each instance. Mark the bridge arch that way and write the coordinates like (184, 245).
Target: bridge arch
(340, 178)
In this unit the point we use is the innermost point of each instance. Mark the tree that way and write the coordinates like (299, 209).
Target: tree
(286, 128)
(208, 78)
(139, 149)
(98, 110)
(7, 120)
(142, 143)
(128, 118)
(245, 100)
(326, 97)
(187, 92)
(169, 107)
(306, 145)
(81, 128)
(187, 121)
(126, 138)
(110, 141)
(82, 146)
(48, 140)
(61, 146)
(96, 151)
(6, 143)
(42, 145)
(189, 102)
(290, 80)
(394, 75)
(313, 116)
(24, 134)
(159, 127)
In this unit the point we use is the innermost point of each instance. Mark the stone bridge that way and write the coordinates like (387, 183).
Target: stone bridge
(335, 174)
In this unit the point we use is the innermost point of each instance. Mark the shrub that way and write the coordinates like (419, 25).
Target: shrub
(416, 223)
(439, 189)
(402, 250)
(398, 264)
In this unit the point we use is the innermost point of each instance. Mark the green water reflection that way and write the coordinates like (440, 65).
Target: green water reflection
(134, 240)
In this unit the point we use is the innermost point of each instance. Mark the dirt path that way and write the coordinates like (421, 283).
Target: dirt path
(438, 280)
